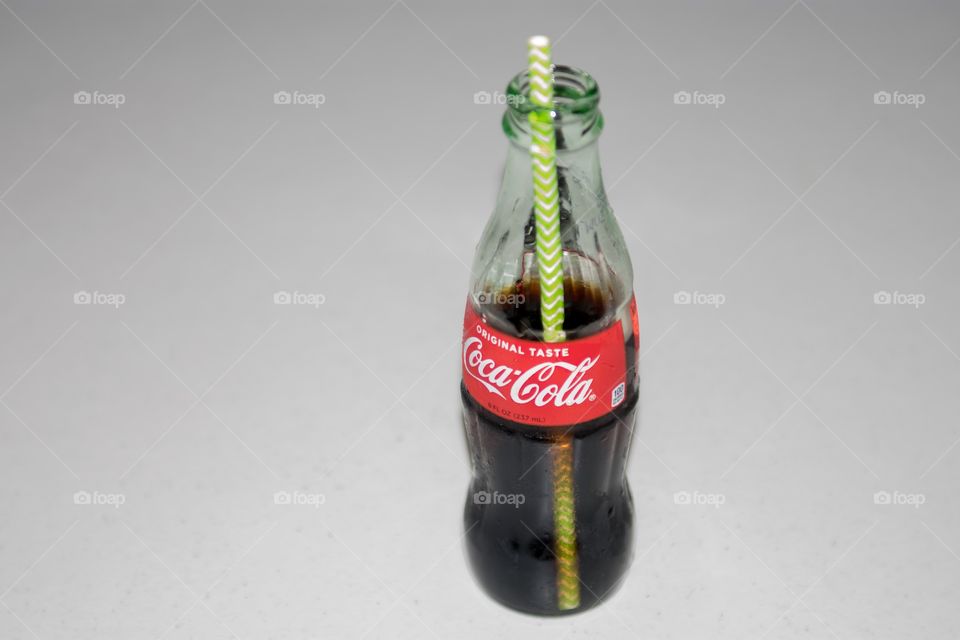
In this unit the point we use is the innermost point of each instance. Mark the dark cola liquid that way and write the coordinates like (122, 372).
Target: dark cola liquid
(509, 540)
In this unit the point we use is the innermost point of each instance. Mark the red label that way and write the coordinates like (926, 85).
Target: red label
(540, 383)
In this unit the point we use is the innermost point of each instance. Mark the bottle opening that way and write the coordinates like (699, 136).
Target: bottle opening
(576, 113)
(575, 92)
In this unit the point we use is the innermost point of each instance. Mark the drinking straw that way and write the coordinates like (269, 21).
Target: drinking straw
(565, 523)
(546, 199)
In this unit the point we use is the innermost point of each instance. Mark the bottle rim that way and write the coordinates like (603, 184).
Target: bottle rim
(576, 115)
(575, 93)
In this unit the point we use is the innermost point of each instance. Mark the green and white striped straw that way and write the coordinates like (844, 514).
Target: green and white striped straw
(546, 199)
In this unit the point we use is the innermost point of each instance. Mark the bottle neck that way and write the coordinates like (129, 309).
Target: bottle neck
(595, 258)
(577, 127)
(579, 182)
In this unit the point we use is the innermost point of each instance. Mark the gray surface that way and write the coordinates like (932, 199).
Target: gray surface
(199, 398)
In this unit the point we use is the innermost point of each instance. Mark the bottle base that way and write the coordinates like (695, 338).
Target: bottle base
(516, 566)
(594, 603)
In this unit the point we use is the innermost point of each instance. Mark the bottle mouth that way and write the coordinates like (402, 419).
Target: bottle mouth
(575, 93)
(576, 115)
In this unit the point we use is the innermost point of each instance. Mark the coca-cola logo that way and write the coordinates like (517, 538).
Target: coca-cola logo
(562, 384)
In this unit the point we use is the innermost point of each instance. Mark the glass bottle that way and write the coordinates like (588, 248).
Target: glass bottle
(519, 409)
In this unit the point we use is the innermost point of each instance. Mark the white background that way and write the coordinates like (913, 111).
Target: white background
(199, 198)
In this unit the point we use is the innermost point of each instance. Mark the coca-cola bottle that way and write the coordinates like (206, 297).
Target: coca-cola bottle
(549, 517)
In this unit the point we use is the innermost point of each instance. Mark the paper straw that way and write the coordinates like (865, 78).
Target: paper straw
(546, 199)
(565, 525)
